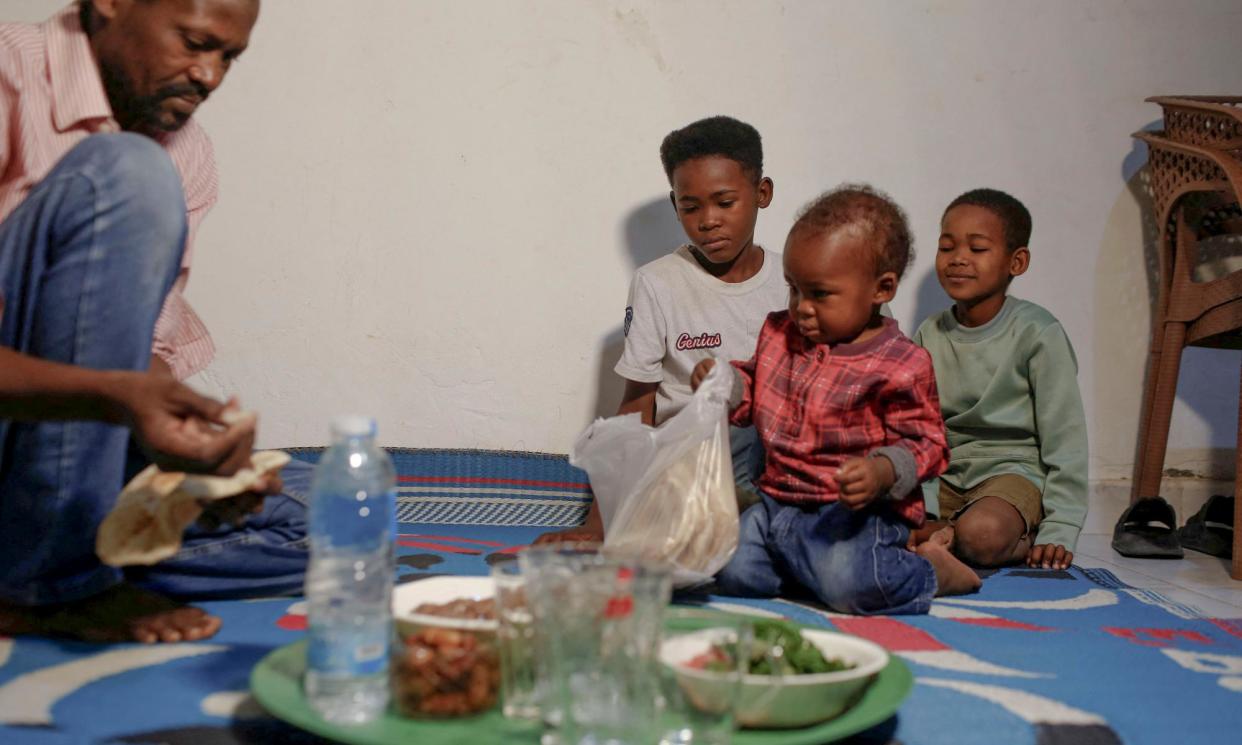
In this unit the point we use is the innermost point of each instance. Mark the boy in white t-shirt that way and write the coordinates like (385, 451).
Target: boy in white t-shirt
(709, 297)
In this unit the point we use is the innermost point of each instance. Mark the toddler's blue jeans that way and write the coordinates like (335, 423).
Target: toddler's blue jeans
(852, 562)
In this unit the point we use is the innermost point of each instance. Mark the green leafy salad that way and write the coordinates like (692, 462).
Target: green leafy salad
(777, 649)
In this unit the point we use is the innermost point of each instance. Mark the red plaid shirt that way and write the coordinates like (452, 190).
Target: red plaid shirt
(815, 406)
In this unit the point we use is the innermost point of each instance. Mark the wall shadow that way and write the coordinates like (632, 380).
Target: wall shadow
(650, 231)
(608, 385)
(1138, 180)
(929, 300)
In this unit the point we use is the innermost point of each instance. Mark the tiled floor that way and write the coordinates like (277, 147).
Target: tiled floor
(1198, 580)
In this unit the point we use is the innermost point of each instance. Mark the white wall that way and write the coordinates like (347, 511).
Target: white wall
(430, 210)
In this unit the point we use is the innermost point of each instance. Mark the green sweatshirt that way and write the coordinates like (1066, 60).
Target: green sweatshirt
(1009, 395)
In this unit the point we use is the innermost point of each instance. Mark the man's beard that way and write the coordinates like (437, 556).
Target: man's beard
(143, 114)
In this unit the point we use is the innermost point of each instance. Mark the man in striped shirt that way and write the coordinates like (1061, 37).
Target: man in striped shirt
(104, 178)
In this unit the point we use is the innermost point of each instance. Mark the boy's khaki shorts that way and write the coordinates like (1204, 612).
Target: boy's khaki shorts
(1014, 489)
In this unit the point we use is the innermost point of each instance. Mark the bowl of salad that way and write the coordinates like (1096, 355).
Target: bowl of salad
(793, 677)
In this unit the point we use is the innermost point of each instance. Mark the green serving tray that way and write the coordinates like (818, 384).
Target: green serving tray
(277, 683)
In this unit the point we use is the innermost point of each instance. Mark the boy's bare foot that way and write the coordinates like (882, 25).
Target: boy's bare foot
(582, 534)
(122, 613)
(952, 576)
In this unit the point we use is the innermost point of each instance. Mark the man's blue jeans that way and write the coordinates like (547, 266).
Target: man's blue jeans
(852, 562)
(86, 261)
(265, 556)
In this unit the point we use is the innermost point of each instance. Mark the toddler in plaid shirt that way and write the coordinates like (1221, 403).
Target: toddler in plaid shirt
(847, 411)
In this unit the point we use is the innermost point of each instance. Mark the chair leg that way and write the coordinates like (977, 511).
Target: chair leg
(1149, 396)
(1236, 568)
(1154, 445)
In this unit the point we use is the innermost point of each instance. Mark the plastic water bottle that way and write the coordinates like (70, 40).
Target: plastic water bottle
(350, 577)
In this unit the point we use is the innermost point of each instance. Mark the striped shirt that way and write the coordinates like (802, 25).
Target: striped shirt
(814, 407)
(51, 97)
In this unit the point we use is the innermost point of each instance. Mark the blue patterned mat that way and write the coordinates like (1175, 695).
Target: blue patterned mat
(1035, 658)
(472, 487)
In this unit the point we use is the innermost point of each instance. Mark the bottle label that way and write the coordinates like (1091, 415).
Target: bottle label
(348, 653)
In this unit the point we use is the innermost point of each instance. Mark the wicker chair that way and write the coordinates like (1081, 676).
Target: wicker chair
(1195, 185)
(1208, 121)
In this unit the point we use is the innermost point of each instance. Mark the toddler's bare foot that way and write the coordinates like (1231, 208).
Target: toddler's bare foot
(952, 576)
(119, 614)
(919, 536)
(944, 537)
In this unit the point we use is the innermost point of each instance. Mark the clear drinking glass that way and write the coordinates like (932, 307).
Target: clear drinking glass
(521, 681)
(540, 567)
(602, 616)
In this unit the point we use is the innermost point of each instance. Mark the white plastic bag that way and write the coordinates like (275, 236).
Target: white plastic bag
(666, 493)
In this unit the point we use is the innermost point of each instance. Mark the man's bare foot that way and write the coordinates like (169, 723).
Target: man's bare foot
(122, 613)
(952, 576)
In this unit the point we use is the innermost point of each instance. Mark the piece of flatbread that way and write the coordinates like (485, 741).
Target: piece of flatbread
(155, 508)
(687, 515)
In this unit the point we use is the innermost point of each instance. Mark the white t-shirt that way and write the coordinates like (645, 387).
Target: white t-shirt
(678, 314)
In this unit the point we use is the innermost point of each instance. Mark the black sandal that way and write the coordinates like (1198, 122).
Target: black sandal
(1210, 530)
(1148, 530)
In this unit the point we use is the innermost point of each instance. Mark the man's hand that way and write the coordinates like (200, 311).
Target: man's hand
(234, 510)
(861, 480)
(159, 367)
(1049, 556)
(180, 430)
(700, 371)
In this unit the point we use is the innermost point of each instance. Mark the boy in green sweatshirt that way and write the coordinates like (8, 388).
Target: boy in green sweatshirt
(1016, 486)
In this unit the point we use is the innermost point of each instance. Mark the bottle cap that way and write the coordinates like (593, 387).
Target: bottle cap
(353, 426)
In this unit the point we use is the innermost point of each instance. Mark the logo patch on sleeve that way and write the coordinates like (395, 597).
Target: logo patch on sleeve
(629, 317)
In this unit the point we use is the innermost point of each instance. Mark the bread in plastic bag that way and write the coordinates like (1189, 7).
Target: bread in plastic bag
(666, 493)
